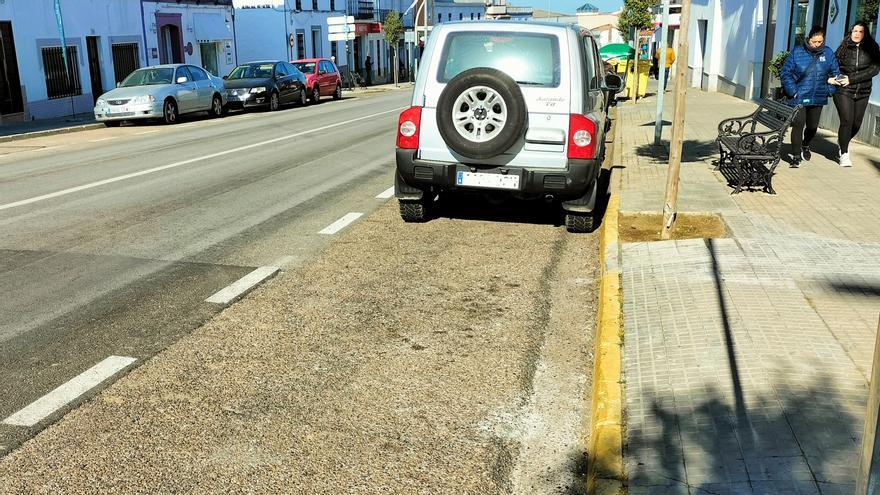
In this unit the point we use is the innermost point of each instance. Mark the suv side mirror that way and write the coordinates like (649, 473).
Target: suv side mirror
(613, 83)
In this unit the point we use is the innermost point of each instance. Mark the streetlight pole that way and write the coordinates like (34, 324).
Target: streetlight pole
(661, 78)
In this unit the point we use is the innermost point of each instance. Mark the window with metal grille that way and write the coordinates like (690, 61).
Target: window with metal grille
(126, 59)
(298, 5)
(332, 4)
(314, 4)
(58, 85)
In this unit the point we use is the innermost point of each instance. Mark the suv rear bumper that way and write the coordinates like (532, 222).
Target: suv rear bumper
(574, 181)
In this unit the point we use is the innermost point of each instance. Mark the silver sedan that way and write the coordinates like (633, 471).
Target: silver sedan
(162, 92)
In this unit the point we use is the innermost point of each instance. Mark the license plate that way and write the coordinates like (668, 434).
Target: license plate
(491, 181)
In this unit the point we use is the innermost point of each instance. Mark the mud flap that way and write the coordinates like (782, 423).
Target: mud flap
(404, 191)
(584, 204)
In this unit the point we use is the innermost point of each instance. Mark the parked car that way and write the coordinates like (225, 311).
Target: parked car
(513, 107)
(267, 84)
(162, 92)
(322, 78)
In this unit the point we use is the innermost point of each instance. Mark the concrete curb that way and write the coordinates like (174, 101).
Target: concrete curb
(51, 132)
(605, 473)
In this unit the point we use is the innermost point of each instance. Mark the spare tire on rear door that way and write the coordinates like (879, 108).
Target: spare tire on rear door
(481, 113)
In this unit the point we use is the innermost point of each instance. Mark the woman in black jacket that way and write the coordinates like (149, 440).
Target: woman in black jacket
(859, 59)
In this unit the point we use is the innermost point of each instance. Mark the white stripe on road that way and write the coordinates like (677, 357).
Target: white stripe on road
(103, 139)
(41, 408)
(340, 224)
(185, 162)
(147, 132)
(387, 193)
(242, 286)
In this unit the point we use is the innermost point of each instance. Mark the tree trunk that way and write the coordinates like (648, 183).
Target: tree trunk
(394, 61)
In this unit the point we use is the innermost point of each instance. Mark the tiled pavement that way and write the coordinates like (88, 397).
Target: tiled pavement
(746, 358)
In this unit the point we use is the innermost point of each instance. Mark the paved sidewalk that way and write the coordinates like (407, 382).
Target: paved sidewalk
(11, 130)
(746, 359)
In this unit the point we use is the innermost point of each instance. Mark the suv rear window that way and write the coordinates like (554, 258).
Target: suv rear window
(529, 58)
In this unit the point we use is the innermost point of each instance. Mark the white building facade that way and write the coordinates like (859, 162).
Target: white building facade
(105, 40)
(732, 42)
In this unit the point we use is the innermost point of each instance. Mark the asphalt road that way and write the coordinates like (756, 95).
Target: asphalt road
(103, 253)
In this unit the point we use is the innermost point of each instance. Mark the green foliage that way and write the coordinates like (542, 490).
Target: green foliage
(393, 28)
(775, 65)
(636, 14)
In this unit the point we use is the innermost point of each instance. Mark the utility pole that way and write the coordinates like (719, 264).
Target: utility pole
(670, 204)
(868, 482)
(635, 75)
(661, 73)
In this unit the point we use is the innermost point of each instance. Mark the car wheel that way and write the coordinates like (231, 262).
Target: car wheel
(481, 113)
(216, 107)
(414, 211)
(303, 97)
(337, 95)
(274, 102)
(316, 95)
(169, 112)
(579, 222)
(112, 123)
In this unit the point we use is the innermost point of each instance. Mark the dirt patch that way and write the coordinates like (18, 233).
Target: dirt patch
(645, 227)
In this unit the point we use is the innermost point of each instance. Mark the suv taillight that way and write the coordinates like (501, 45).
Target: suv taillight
(581, 137)
(408, 127)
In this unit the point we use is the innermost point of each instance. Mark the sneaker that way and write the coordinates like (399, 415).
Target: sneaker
(806, 154)
(845, 160)
(795, 163)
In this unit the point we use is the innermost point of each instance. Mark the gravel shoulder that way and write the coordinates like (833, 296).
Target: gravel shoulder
(446, 357)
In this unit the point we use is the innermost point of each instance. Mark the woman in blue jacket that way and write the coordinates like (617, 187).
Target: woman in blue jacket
(806, 82)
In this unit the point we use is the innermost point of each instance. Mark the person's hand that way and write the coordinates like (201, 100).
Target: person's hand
(844, 80)
(834, 81)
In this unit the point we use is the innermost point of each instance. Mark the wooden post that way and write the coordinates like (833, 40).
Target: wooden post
(670, 204)
(868, 482)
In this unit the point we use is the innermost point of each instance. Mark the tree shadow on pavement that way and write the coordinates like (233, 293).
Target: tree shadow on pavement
(795, 435)
(857, 288)
(713, 437)
(691, 150)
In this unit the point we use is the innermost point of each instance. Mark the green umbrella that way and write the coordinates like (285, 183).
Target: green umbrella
(616, 50)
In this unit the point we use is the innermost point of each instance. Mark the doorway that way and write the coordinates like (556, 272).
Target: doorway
(94, 55)
(769, 38)
(209, 57)
(169, 31)
(10, 85)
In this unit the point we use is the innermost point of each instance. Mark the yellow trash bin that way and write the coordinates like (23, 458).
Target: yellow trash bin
(644, 69)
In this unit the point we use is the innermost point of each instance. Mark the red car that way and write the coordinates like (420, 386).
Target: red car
(322, 78)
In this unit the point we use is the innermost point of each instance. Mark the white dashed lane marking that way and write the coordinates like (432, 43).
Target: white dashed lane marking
(340, 224)
(387, 193)
(41, 408)
(242, 286)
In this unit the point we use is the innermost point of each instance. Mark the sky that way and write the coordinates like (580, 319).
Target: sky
(568, 6)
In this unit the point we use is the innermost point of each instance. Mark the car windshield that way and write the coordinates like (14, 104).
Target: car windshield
(530, 59)
(305, 67)
(252, 71)
(148, 77)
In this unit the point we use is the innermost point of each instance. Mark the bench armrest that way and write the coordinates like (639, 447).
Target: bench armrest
(736, 126)
(759, 143)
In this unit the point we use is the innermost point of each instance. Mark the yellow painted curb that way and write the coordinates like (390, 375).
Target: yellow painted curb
(605, 473)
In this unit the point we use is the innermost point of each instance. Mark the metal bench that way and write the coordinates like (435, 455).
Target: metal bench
(749, 153)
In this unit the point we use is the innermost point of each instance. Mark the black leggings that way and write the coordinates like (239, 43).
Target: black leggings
(800, 137)
(851, 113)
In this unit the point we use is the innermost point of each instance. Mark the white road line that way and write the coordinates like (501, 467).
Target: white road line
(242, 286)
(341, 223)
(103, 139)
(185, 162)
(41, 408)
(147, 132)
(387, 193)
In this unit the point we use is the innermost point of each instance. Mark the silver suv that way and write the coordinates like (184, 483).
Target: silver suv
(516, 107)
